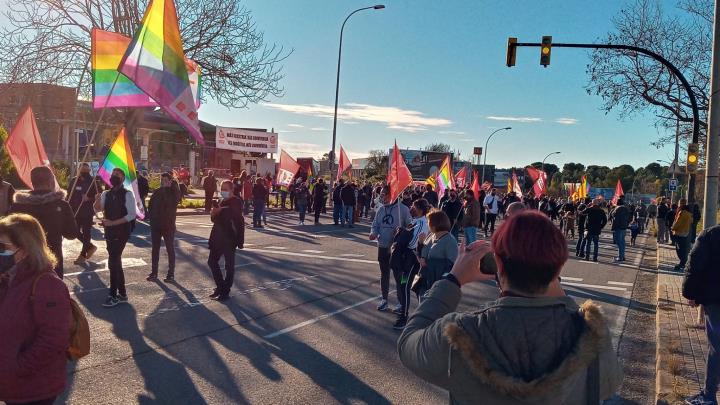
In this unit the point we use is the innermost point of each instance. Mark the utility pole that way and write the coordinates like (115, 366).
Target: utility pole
(712, 149)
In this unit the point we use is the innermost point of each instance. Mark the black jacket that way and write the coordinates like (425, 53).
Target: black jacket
(347, 194)
(319, 192)
(431, 197)
(702, 274)
(143, 186)
(228, 229)
(162, 208)
(453, 210)
(336, 195)
(596, 220)
(84, 185)
(662, 211)
(621, 218)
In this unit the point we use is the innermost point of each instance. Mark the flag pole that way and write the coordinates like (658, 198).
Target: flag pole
(92, 140)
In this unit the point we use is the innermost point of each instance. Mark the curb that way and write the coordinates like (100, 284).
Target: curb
(199, 211)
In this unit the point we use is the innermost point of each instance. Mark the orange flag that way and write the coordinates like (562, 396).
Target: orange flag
(476, 184)
(25, 147)
(618, 192)
(344, 165)
(398, 177)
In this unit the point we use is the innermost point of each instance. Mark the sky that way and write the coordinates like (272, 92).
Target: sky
(426, 71)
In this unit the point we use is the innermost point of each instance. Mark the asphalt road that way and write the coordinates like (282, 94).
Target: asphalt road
(300, 327)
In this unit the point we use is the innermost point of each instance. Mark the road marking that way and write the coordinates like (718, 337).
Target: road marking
(351, 255)
(276, 247)
(126, 263)
(570, 278)
(620, 283)
(318, 318)
(347, 259)
(83, 291)
(313, 251)
(594, 286)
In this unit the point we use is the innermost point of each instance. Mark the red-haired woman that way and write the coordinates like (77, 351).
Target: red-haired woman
(533, 345)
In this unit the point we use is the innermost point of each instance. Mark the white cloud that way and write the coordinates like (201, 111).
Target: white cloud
(567, 121)
(451, 132)
(284, 131)
(319, 129)
(295, 126)
(304, 149)
(514, 119)
(393, 117)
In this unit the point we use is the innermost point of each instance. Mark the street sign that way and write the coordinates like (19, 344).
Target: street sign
(674, 168)
(477, 150)
(673, 184)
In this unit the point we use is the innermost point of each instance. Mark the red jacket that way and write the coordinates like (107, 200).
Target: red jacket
(35, 337)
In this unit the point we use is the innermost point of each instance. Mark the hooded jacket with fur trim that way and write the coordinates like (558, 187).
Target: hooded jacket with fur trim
(513, 351)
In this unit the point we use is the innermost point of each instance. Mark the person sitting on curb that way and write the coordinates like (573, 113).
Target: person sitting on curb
(532, 345)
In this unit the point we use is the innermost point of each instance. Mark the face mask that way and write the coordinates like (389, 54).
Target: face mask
(7, 260)
(85, 174)
(115, 181)
(225, 194)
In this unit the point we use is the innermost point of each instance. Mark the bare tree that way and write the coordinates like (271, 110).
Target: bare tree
(48, 41)
(438, 147)
(632, 83)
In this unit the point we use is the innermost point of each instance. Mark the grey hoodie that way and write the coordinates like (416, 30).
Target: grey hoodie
(514, 351)
(387, 220)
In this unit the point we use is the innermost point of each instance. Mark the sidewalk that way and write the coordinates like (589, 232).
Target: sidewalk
(681, 341)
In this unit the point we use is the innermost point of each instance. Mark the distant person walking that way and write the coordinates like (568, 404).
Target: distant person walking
(81, 191)
(227, 234)
(662, 229)
(209, 184)
(681, 233)
(492, 208)
(319, 195)
(620, 222)
(471, 217)
(595, 222)
(259, 195)
(163, 212)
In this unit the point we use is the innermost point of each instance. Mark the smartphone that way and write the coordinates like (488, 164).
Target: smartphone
(488, 264)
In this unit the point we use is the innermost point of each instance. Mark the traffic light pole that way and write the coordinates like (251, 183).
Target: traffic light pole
(667, 64)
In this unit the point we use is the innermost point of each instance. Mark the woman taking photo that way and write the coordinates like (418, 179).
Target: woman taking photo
(35, 315)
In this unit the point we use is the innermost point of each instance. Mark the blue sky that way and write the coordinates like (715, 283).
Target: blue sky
(427, 71)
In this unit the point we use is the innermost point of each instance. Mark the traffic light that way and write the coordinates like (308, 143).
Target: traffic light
(545, 50)
(692, 158)
(511, 52)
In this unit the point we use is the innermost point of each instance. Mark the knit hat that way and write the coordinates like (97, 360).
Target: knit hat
(42, 179)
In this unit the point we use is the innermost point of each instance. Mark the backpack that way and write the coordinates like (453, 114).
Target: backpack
(79, 328)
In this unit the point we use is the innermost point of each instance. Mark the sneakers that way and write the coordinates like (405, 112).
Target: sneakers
(91, 251)
(110, 302)
(383, 305)
(169, 279)
(80, 260)
(700, 399)
(400, 323)
(215, 294)
(122, 299)
(152, 277)
(398, 310)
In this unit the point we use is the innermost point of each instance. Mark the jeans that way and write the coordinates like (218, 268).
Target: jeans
(258, 208)
(712, 329)
(337, 211)
(619, 240)
(470, 234)
(384, 261)
(168, 235)
(595, 240)
(490, 221)
(222, 284)
(346, 214)
(115, 247)
(302, 209)
(682, 247)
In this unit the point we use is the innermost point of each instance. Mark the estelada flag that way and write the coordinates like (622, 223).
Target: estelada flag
(398, 177)
(344, 165)
(539, 178)
(461, 177)
(287, 169)
(475, 184)
(25, 147)
(516, 185)
(618, 192)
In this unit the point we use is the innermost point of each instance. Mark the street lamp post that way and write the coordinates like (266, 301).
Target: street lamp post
(485, 151)
(337, 88)
(542, 167)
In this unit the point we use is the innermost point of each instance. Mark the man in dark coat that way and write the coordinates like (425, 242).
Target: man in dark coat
(81, 194)
(49, 207)
(143, 188)
(209, 184)
(430, 195)
(227, 234)
(163, 211)
(318, 196)
(349, 201)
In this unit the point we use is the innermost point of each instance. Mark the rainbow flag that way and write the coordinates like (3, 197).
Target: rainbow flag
(584, 188)
(107, 50)
(445, 177)
(120, 157)
(155, 62)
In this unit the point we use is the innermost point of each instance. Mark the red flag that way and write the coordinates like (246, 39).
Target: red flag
(516, 185)
(618, 192)
(540, 179)
(461, 177)
(475, 184)
(344, 165)
(487, 186)
(287, 169)
(25, 147)
(398, 177)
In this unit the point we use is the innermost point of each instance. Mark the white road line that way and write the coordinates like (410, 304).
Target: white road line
(313, 251)
(351, 255)
(347, 259)
(594, 286)
(620, 283)
(570, 278)
(276, 247)
(249, 244)
(317, 319)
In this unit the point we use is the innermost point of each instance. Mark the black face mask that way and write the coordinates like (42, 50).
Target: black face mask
(116, 181)
(7, 261)
(85, 174)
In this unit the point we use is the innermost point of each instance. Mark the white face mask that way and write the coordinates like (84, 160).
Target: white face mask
(225, 194)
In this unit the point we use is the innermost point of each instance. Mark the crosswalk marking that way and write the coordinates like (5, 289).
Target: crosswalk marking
(313, 251)
(620, 283)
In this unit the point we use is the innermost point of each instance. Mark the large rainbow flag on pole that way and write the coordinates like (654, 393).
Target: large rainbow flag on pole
(120, 157)
(155, 62)
(107, 50)
(445, 177)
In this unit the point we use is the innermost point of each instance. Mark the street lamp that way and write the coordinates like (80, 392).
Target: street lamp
(485, 151)
(337, 88)
(542, 167)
